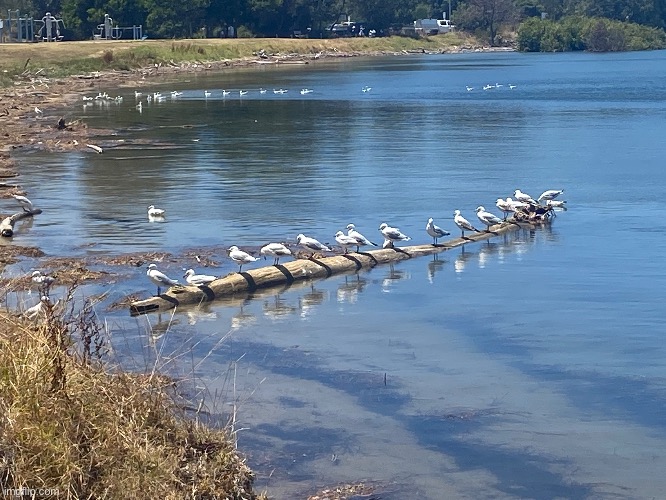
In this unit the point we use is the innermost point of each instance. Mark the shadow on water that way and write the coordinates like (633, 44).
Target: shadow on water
(521, 475)
(631, 399)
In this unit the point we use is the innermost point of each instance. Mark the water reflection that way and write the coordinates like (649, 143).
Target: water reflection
(242, 319)
(309, 300)
(348, 290)
(277, 308)
(435, 265)
(394, 275)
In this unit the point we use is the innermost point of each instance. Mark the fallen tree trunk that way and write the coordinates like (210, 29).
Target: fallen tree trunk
(304, 269)
(7, 225)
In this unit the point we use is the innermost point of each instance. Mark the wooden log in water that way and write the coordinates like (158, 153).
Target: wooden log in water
(304, 269)
(7, 224)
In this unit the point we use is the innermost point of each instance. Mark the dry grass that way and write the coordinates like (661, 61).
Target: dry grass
(68, 422)
(68, 58)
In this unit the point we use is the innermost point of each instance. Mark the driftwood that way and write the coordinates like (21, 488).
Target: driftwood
(7, 225)
(304, 269)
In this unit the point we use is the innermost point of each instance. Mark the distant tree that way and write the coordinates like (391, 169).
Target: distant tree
(487, 15)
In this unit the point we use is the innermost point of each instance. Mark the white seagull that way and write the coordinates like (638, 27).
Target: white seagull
(155, 212)
(345, 241)
(311, 244)
(275, 250)
(504, 206)
(463, 223)
(550, 194)
(240, 257)
(487, 218)
(516, 205)
(524, 197)
(25, 203)
(197, 279)
(158, 278)
(207, 94)
(469, 89)
(360, 239)
(43, 282)
(392, 234)
(38, 111)
(557, 204)
(435, 231)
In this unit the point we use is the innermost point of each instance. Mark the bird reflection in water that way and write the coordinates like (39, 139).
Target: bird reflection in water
(461, 260)
(392, 276)
(486, 250)
(434, 266)
(349, 290)
(311, 299)
(201, 313)
(277, 308)
(242, 318)
(162, 327)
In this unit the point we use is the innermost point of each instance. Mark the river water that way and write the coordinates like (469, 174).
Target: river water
(529, 366)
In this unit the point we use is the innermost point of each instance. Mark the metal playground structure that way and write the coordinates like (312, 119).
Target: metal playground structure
(107, 31)
(17, 28)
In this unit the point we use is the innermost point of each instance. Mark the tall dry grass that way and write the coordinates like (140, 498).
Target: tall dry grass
(68, 422)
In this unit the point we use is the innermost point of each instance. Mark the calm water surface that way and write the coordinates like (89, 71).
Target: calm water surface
(529, 366)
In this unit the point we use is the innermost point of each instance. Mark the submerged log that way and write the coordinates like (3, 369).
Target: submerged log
(7, 224)
(304, 269)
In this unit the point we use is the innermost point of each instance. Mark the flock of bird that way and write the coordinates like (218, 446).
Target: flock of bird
(354, 238)
(490, 86)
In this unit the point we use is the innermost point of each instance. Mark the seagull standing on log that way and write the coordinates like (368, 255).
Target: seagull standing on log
(360, 239)
(158, 278)
(391, 235)
(311, 244)
(487, 218)
(275, 250)
(463, 223)
(240, 257)
(435, 231)
(25, 203)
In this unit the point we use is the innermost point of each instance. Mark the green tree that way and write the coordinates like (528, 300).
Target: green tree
(486, 15)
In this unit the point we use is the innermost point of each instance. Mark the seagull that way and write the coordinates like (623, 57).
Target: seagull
(275, 250)
(488, 87)
(463, 223)
(311, 244)
(38, 111)
(524, 197)
(504, 206)
(345, 241)
(155, 212)
(197, 279)
(498, 85)
(366, 89)
(158, 278)
(137, 94)
(551, 194)
(435, 231)
(262, 91)
(25, 203)
(360, 239)
(42, 281)
(139, 107)
(207, 94)
(516, 205)
(280, 91)
(392, 234)
(487, 218)
(512, 86)
(242, 92)
(306, 91)
(226, 92)
(240, 257)
(469, 89)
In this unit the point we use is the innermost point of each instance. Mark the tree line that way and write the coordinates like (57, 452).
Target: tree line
(549, 20)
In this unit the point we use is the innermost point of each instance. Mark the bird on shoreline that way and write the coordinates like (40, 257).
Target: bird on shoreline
(197, 279)
(345, 241)
(25, 203)
(463, 223)
(487, 218)
(435, 231)
(240, 257)
(360, 239)
(43, 282)
(275, 250)
(159, 279)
